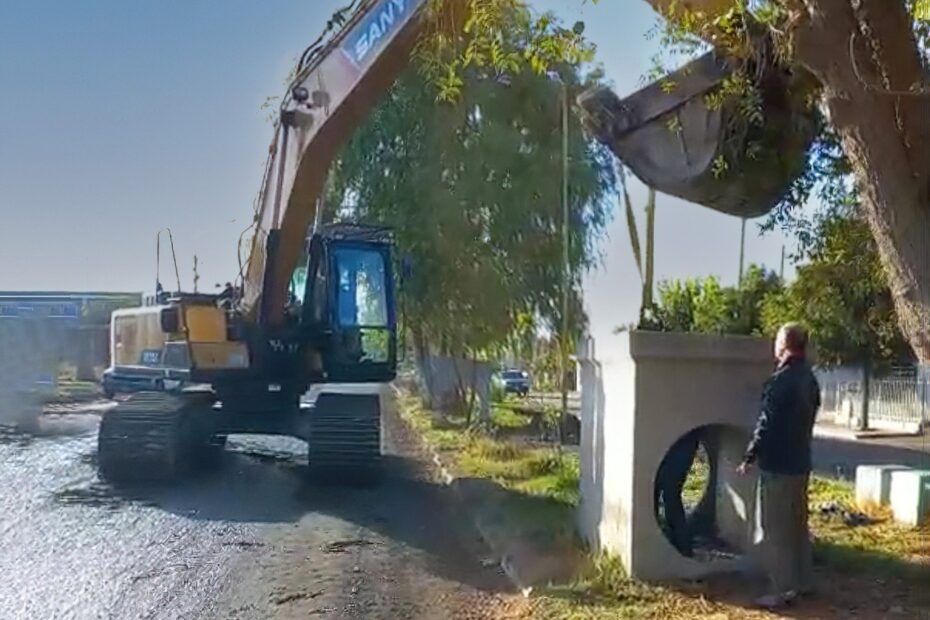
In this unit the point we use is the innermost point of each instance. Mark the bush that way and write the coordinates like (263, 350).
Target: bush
(497, 393)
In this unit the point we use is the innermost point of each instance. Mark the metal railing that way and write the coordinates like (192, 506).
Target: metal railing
(893, 402)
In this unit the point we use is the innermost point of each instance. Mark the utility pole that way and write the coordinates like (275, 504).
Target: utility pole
(742, 251)
(566, 268)
(649, 274)
(781, 273)
(196, 275)
(566, 275)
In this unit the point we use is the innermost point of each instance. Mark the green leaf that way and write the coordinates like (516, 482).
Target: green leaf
(470, 197)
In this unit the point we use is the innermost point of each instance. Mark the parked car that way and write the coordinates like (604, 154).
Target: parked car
(515, 382)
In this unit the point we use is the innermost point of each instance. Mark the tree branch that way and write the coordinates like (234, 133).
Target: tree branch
(711, 8)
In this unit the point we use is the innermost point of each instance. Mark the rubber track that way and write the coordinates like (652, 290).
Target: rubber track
(149, 436)
(345, 438)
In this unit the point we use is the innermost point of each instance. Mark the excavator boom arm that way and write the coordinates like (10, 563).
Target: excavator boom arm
(330, 96)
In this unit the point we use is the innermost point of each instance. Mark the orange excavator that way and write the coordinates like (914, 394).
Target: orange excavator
(316, 302)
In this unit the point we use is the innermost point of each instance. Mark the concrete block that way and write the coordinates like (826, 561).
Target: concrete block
(873, 484)
(641, 392)
(910, 496)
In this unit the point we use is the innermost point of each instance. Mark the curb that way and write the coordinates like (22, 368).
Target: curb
(844, 434)
(449, 480)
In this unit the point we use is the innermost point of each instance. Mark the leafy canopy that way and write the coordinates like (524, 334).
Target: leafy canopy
(493, 37)
(703, 305)
(472, 189)
(842, 296)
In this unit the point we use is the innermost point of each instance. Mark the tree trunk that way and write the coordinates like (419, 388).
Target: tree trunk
(421, 353)
(866, 58)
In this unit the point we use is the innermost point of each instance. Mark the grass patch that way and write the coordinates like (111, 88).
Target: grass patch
(504, 416)
(535, 471)
(542, 493)
(696, 482)
(882, 548)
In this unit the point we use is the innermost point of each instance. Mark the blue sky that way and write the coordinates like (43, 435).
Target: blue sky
(120, 118)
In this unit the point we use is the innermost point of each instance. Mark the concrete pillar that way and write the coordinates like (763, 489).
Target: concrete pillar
(641, 392)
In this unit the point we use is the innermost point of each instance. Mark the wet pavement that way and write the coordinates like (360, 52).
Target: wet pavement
(250, 540)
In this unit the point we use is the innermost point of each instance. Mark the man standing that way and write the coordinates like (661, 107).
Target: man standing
(781, 446)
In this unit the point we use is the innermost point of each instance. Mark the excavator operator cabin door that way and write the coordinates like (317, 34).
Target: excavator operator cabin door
(350, 305)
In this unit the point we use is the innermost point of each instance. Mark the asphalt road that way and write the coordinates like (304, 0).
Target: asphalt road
(251, 540)
(839, 458)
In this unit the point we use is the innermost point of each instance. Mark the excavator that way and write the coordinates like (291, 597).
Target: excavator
(316, 301)
(311, 309)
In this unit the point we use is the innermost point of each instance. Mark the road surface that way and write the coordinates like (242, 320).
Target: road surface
(251, 540)
(838, 457)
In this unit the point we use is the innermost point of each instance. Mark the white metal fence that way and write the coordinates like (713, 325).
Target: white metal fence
(894, 403)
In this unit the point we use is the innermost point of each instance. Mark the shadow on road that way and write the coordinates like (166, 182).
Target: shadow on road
(838, 458)
(273, 488)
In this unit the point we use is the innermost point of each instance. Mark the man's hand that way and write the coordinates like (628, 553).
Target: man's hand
(743, 468)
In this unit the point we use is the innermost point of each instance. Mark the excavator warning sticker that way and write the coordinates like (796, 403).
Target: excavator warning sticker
(375, 30)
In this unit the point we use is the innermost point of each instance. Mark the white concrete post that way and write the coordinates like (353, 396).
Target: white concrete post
(641, 392)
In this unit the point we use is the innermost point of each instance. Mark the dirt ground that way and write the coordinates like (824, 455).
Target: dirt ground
(251, 540)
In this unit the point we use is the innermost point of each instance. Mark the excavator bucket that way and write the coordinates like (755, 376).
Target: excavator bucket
(678, 141)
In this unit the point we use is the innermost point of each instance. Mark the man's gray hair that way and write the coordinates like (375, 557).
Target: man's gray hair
(795, 337)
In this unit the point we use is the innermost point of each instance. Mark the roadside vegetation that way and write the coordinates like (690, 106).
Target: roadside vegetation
(872, 570)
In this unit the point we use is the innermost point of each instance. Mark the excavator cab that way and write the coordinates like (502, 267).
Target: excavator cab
(341, 328)
(348, 309)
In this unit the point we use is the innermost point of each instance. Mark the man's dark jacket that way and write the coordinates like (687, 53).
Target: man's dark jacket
(781, 443)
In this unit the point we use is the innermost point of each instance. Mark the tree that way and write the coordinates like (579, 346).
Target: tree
(842, 296)
(703, 305)
(869, 64)
(865, 62)
(472, 190)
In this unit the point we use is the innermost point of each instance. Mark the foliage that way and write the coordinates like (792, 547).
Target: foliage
(827, 177)
(472, 190)
(521, 467)
(703, 305)
(495, 38)
(497, 393)
(842, 296)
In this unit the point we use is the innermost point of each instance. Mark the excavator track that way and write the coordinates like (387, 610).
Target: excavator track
(345, 439)
(154, 436)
